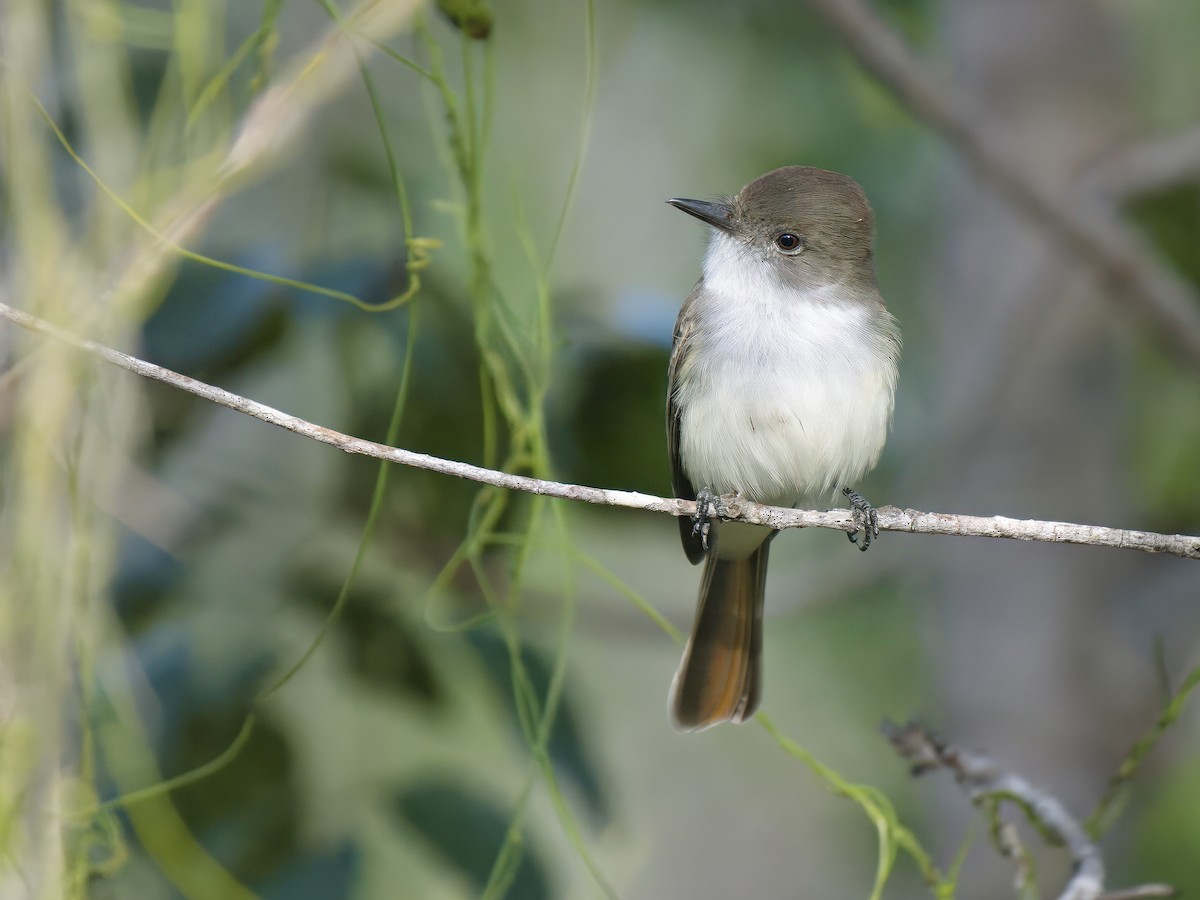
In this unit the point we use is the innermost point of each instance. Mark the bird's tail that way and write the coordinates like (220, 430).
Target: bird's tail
(720, 677)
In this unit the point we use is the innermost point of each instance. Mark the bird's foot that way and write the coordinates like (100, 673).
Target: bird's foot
(865, 519)
(706, 508)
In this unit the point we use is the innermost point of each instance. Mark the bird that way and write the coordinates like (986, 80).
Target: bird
(781, 387)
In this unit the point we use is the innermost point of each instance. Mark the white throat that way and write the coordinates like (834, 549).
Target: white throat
(786, 394)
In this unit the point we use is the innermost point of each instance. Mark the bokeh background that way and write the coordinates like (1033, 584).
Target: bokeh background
(168, 561)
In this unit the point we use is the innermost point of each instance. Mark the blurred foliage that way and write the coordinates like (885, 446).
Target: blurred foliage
(1167, 843)
(471, 16)
(615, 385)
(468, 833)
(1167, 444)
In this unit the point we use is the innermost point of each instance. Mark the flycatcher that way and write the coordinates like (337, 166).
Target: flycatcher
(780, 390)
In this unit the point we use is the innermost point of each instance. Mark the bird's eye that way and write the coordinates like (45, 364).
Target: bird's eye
(789, 242)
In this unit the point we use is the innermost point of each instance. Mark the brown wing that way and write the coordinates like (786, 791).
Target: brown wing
(680, 483)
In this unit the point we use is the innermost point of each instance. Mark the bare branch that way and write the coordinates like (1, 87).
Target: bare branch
(728, 507)
(1187, 546)
(1097, 237)
(985, 783)
(1149, 165)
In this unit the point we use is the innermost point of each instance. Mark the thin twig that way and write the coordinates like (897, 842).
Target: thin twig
(1149, 165)
(729, 507)
(1090, 230)
(985, 783)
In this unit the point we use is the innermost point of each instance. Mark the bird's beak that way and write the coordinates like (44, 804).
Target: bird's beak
(718, 215)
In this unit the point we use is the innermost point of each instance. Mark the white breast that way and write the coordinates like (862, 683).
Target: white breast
(786, 395)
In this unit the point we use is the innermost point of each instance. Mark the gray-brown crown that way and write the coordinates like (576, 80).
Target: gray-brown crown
(828, 210)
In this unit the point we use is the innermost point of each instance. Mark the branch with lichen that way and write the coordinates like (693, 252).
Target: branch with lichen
(729, 508)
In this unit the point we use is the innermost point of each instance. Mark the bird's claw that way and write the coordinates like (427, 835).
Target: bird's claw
(864, 517)
(706, 508)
